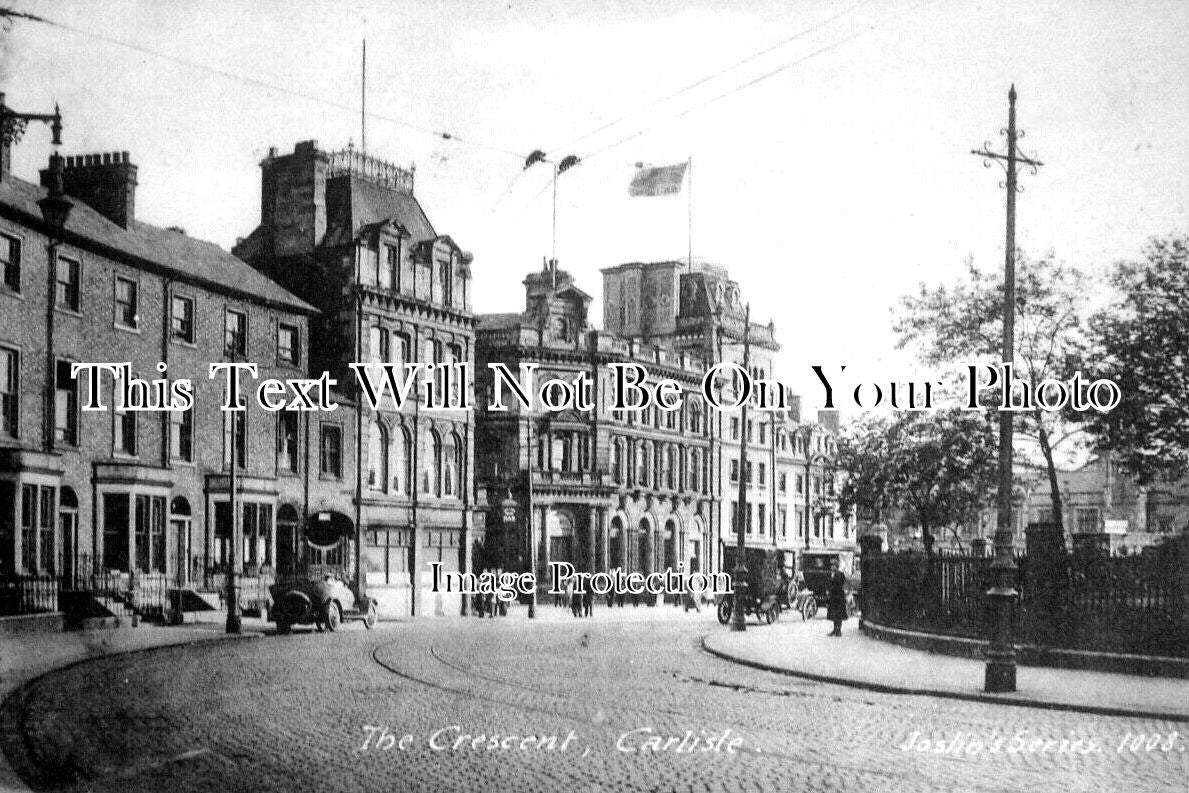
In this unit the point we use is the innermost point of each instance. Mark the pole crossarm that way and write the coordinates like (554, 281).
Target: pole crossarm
(994, 155)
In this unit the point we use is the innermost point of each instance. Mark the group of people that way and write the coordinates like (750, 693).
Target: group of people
(580, 598)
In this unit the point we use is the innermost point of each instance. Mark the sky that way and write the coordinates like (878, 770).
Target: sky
(830, 145)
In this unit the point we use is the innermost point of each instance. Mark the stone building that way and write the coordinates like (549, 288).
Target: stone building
(1104, 507)
(598, 488)
(789, 472)
(345, 232)
(120, 501)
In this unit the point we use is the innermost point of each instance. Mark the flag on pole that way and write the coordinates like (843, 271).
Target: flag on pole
(657, 181)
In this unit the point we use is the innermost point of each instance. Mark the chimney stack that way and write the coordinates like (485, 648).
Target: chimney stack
(106, 182)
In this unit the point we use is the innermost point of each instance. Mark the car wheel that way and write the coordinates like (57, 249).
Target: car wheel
(852, 606)
(334, 617)
(809, 610)
(369, 621)
(724, 611)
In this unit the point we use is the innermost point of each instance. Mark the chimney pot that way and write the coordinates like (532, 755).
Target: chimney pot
(104, 180)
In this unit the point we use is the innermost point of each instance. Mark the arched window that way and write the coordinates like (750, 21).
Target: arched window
(400, 349)
(657, 464)
(379, 351)
(445, 272)
(377, 457)
(402, 479)
(450, 472)
(695, 470)
(671, 418)
(695, 417)
(454, 356)
(643, 461)
(431, 478)
(670, 467)
(559, 451)
(617, 461)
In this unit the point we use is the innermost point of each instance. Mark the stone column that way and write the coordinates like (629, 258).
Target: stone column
(543, 548)
(628, 538)
(592, 526)
(605, 533)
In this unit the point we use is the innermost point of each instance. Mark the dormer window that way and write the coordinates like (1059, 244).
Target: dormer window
(445, 272)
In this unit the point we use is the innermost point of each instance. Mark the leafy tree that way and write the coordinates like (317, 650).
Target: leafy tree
(938, 467)
(1143, 345)
(963, 324)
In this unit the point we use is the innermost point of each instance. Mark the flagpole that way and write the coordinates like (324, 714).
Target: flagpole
(363, 101)
(690, 214)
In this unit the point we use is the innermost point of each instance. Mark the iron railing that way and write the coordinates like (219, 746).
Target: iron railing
(28, 594)
(1078, 601)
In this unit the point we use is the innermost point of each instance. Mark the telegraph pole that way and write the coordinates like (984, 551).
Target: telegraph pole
(739, 582)
(1001, 656)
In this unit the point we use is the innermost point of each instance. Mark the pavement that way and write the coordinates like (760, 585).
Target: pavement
(27, 656)
(802, 649)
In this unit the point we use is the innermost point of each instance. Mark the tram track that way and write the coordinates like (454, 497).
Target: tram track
(620, 711)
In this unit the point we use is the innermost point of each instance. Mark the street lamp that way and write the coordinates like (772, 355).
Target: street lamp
(55, 207)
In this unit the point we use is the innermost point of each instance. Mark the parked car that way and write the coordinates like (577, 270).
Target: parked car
(814, 570)
(324, 601)
(765, 586)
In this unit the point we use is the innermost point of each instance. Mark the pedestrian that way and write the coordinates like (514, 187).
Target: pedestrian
(691, 598)
(588, 602)
(573, 598)
(836, 603)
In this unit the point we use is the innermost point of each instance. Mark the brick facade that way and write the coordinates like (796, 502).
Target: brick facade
(102, 497)
(345, 232)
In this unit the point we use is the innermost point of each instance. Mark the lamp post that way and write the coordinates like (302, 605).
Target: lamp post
(55, 209)
(234, 623)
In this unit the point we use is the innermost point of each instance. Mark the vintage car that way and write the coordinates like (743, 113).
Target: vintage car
(324, 601)
(813, 574)
(764, 588)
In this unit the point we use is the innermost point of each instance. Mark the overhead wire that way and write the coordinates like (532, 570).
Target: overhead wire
(755, 80)
(703, 80)
(259, 83)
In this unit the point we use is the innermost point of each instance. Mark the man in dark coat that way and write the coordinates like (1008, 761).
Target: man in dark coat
(836, 593)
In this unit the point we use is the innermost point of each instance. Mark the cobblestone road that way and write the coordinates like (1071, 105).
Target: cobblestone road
(392, 710)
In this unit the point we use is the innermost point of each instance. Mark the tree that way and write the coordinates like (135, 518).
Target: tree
(1143, 345)
(939, 466)
(963, 324)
